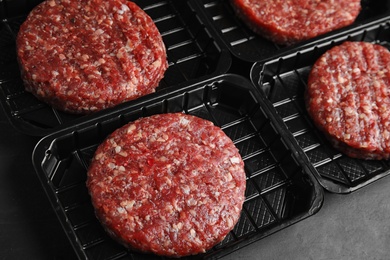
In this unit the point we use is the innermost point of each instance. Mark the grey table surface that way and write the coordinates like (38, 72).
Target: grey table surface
(350, 226)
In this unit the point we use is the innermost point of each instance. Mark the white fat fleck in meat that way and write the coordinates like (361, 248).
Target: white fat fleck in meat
(157, 63)
(349, 111)
(29, 48)
(129, 46)
(169, 208)
(192, 212)
(231, 185)
(228, 177)
(135, 81)
(121, 210)
(191, 202)
(176, 161)
(364, 144)
(99, 156)
(124, 9)
(111, 165)
(118, 149)
(131, 128)
(386, 134)
(162, 159)
(121, 53)
(193, 232)
(85, 57)
(186, 189)
(184, 121)
(127, 204)
(356, 72)
(341, 79)
(163, 138)
(98, 32)
(235, 160)
(229, 220)
(83, 66)
(177, 226)
(123, 153)
(176, 205)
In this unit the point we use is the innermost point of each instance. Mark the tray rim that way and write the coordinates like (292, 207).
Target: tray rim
(286, 49)
(222, 66)
(40, 149)
(256, 79)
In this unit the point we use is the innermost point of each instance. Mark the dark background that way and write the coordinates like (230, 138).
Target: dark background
(29, 228)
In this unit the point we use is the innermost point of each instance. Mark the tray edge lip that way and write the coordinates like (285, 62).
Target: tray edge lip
(222, 66)
(43, 144)
(257, 68)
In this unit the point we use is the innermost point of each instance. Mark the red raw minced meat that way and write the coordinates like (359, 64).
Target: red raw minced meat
(82, 56)
(170, 184)
(348, 98)
(287, 22)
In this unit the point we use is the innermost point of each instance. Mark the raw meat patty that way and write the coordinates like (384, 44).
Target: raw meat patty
(287, 22)
(170, 184)
(348, 97)
(82, 56)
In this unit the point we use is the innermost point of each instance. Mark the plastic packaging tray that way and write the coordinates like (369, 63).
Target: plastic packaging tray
(249, 47)
(283, 82)
(279, 191)
(192, 54)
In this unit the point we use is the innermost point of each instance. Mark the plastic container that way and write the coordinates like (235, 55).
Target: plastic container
(283, 82)
(279, 193)
(192, 55)
(247, 46)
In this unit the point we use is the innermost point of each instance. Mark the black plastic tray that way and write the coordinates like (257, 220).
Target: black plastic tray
(279, 191)
(247, 46)
(283, 82)
(192, 54)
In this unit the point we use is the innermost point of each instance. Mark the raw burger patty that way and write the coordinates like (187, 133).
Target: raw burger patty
(290, 21)
(170, 184)
(348, 97)
(82, 56)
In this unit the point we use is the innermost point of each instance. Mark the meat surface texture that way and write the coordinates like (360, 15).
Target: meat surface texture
(286, 22)
(170, 184)
(82, 56)
(348, 98)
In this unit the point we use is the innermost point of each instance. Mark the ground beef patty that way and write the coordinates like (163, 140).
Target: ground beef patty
(348, 97)
(290, 21)
(170, 184)
(82, 56)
